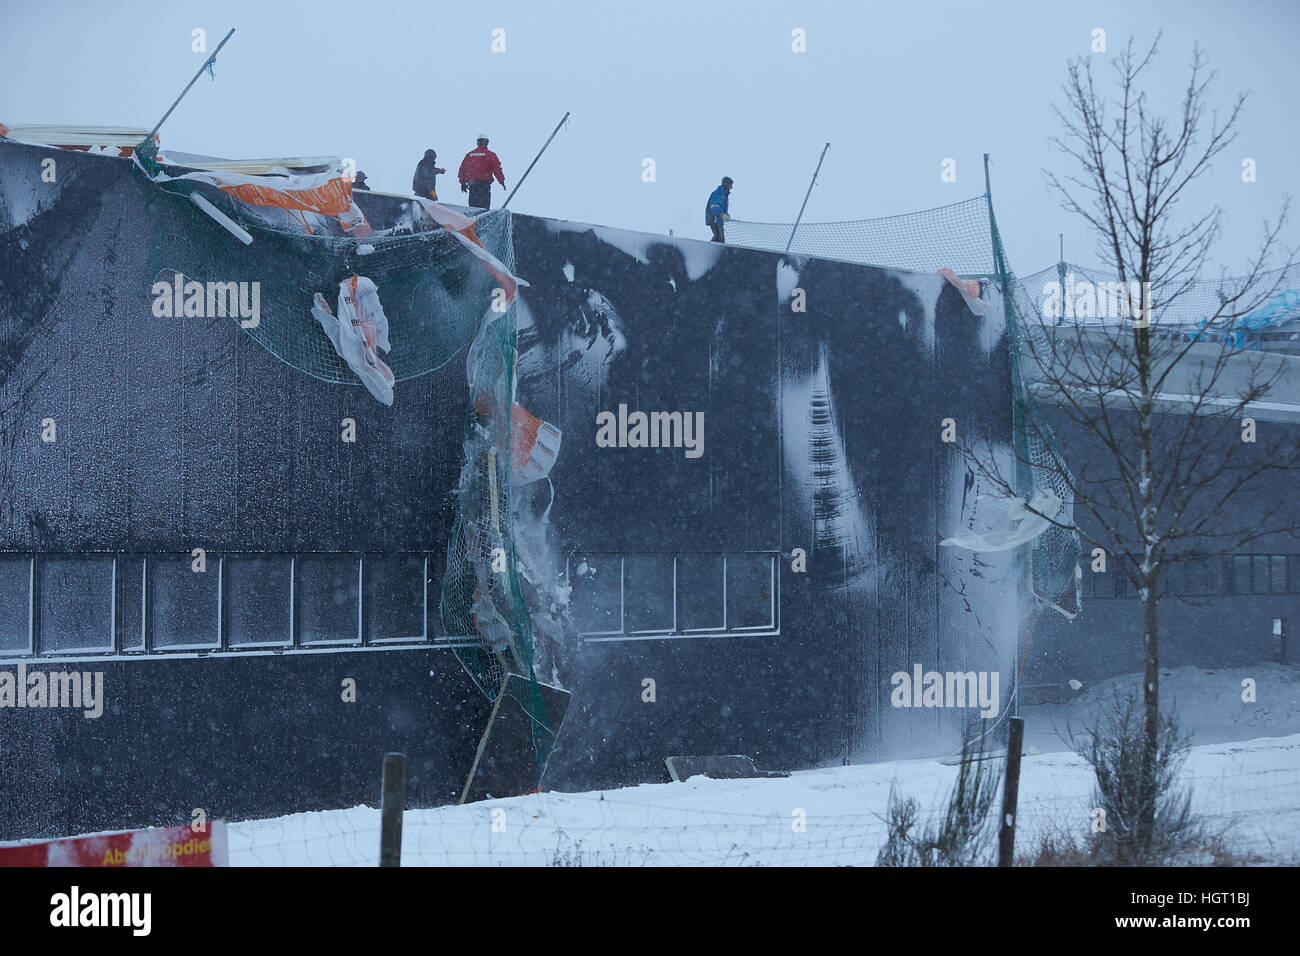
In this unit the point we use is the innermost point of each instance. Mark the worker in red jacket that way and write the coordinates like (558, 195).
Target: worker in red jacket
(477, 169)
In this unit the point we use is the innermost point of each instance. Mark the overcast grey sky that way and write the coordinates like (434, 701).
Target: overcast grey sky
(703, 88)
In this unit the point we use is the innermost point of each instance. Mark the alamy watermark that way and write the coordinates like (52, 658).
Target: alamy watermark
(651, 430)
(53, 689)
(924, 688)
(75, 908)
(192, 299)
(1085, 299)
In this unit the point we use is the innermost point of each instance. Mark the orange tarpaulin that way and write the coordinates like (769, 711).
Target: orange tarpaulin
(462, 227)
(330, 199)
(534, 445)
(328, 194)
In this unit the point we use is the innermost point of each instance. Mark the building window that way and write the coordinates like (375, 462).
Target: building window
(597, 581)
(1241, 574)
(1216, 575)
(183, 603)
(256, 594)
(327, 592)
(1259, 567)
(674, 595)
(1265, 573)
(130, 601)
(394, 597)
(700, 589)
(52, 604)
(1259, 574)
(1277, 573)
(15, 604)
(1102, 588)
(75, 606)
(648, 593)
(1118, 583)
(750, 591)
(1173, 578)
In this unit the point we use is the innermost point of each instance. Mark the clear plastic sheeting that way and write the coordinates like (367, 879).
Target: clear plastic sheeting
(358, 333)
(969, 289)
(1007, 523)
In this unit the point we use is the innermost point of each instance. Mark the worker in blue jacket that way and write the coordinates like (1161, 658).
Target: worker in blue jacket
(715, 213)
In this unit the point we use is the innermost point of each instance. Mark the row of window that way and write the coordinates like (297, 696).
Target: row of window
(146, 603)
(1238, 574)
(96, 603)
(1235, 334)
(618, 596)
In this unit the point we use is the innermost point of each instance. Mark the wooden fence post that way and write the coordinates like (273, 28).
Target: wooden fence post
(1010, 796)
(390, 814)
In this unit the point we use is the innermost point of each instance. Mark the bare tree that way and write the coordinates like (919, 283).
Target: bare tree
(1170, 401)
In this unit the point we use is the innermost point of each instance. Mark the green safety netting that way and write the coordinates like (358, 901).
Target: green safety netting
(433, 293)
(481, 590)
(438, 299)
(954, 237)
(1054, 554)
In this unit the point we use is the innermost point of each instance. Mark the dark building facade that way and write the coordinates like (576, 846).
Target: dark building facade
(180, 512)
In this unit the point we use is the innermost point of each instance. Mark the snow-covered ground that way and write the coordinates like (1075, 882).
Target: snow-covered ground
(1208, 704)
(819, 817)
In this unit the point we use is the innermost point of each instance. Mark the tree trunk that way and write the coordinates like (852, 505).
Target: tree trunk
(1149, 573)
(1151, 714)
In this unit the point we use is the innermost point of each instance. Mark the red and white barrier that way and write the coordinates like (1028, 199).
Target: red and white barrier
(163, 846)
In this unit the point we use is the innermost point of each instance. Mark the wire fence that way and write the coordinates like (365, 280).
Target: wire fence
(788, 822)
(954, 237)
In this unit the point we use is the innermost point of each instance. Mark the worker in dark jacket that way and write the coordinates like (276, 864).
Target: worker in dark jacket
(477, 169)
(715, 211)
(425, 181)
(360, 181)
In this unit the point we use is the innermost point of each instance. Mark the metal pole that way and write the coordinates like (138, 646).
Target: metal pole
(988, 191)
(1011, 795)
(1060, 275)
(988, 198)
(482, 743)
(206, 62)
(799, 218)
(534, 162)
(393, 801)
